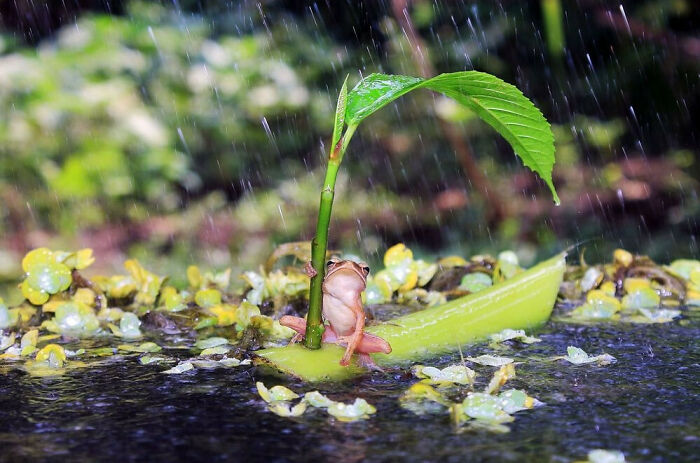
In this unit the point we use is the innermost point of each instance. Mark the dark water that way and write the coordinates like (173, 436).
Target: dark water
(645, 405)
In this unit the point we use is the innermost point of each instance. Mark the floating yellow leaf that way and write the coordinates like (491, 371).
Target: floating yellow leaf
(207, 298)
(504, 374)
(284, 409)
(28, 342)
(452, 261)
(422, 398)
(226, 314)
(358, 410)
(275, 393)
(172, 299)
(85, 295)
(318, 400)
(453, 374)
(148, 284)
(397, 254)
(194, 276)
(80, 259)
(53, 354)
(622, 257)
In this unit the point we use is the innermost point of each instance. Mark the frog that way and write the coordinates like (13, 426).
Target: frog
(343, 311)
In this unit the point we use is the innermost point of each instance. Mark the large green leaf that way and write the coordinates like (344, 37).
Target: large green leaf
(524, 301)
(500, 104)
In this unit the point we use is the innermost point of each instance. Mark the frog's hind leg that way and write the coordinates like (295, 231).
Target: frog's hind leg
(353, 340)
(298, 324)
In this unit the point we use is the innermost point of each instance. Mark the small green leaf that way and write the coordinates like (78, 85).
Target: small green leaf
(210, 342)
(129, 325)
(453, 374)
(491, 360)
(340, 113)
(374, 92)
(179, 368)
(358, 410)
(498, 103)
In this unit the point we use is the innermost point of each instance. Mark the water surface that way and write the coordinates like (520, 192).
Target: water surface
(645, 405)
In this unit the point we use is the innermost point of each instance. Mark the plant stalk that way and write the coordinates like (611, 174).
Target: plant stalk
(319, 245)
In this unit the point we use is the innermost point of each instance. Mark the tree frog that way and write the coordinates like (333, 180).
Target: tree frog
(342, 309)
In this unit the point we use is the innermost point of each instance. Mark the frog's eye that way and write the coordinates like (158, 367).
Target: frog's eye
(329, 263)
(366, 270)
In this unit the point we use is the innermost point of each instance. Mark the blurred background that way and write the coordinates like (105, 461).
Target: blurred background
(196, 131)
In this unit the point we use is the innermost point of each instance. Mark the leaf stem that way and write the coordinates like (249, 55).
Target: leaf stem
(319, 245)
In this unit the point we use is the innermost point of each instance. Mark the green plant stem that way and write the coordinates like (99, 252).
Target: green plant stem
(319, 245)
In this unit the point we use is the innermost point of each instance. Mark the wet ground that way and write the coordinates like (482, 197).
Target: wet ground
(646, 405)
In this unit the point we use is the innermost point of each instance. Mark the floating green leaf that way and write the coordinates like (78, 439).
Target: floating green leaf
(129, 325)
(606, 456)
(318, 400)
(358, 410)
(275, 393)
(641, 298)
(7, 317)
(490, 360)
(143, 347)
(453, 374)
(181, 367)
(207, 298)
(475, 282)
(210, 342)
(286, 410)
(422, 398)
(660, 315)
(500, 377)
(53, 354)
(485, 407)
(76, 319)
(578, 356)
(513, 335)
(524, 301)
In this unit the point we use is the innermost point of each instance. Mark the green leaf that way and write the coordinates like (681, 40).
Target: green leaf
(340, 113)
(498, 103)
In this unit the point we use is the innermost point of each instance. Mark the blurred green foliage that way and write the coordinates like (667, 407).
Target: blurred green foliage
(202, 125)
(122, 112)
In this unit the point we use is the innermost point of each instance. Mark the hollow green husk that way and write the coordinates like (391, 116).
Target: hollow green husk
(522, 302)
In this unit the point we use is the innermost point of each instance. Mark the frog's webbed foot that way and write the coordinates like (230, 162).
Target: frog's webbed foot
(365, 361)
(295, 339)
(352, 342)
(310, 270)
(298, 324)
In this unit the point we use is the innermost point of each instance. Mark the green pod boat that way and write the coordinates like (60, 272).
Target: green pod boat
(522, 302)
